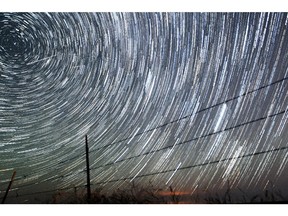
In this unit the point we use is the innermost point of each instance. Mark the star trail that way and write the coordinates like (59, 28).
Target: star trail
(190, 100)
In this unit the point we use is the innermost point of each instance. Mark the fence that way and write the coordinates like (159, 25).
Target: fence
(152, 152)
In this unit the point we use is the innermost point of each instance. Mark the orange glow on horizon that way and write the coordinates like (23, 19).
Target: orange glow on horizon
(174, 193)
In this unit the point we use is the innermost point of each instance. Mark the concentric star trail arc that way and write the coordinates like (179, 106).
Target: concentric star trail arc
(190, 100)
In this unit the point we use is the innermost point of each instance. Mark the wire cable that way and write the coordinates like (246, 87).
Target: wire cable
(190, 115)
(193, 139)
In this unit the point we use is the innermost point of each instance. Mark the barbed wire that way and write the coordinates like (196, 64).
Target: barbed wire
(161, 172)
(170, 146)
(196, 165)
(190, 115)
(193, 139)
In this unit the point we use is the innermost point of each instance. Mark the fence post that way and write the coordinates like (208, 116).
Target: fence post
(88, 170)
(9, 186)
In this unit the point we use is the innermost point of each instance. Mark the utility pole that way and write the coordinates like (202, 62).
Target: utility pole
(88, 170)
(9, 186)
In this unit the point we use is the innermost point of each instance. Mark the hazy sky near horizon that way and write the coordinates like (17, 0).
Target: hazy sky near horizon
(192, 100)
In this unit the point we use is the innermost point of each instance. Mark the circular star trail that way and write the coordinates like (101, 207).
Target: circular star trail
(192, 100)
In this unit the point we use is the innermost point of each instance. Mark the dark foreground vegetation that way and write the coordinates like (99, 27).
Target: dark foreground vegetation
(130, 195)
(151, 195)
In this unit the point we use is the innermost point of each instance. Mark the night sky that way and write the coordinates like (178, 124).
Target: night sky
(196, 101)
